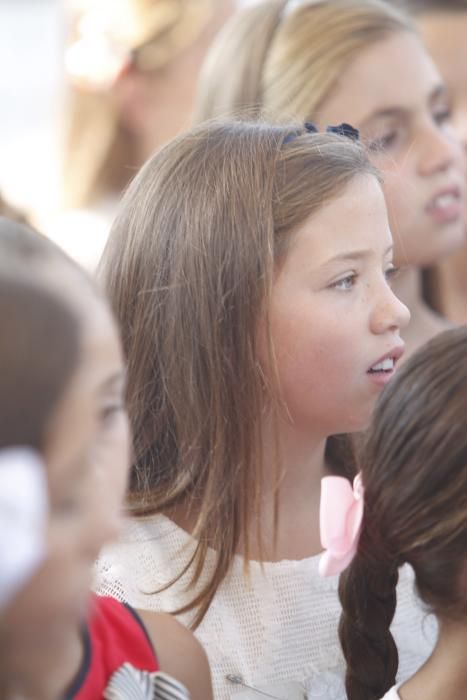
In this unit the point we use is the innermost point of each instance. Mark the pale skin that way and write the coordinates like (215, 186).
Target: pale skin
(332, 296)
(87, 455)
(179, 653)
(444, 34)
(404, 114)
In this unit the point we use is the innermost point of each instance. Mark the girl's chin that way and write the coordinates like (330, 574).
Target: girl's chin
(448, 242)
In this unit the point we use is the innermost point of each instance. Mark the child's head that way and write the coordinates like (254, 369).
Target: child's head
(414, 473)
(443, 26)
(228, 269)
(61, 394)
(132, 67)
(358, 61)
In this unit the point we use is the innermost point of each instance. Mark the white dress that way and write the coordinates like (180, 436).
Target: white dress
(392, 694)
(276, 630)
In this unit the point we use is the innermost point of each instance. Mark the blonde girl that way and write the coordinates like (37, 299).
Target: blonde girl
(249, 269)
(443, 26)
(131, 68)
(358, 61)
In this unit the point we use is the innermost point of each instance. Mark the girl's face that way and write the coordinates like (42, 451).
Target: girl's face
(87, 458)
(393, 94)
(445, 36)
(334, 316)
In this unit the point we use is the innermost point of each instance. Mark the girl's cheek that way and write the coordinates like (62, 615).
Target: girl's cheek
(112, 462)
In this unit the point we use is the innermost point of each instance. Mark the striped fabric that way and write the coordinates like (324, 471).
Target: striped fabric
(130, 684)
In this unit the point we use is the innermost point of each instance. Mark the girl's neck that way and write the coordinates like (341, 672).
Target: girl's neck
(297, 484)
(295, 481)
(453, 286)
(424, 323)
(444, 675)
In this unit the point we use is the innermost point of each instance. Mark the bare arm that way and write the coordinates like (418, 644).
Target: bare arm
(179, 653)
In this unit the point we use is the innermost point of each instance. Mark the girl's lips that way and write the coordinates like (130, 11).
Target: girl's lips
(446, 206)
(394, 354)
(382, 371)
(381, 378)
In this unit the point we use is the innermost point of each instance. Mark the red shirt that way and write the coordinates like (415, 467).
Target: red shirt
(114, 635)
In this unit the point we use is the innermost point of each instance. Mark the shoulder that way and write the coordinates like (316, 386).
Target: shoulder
(112, 638)
(150, 553)
(179, 653)
(118, 635)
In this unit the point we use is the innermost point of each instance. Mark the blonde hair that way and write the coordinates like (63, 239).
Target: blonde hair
(188, 269)
(146, 34)
(284, 58)
(421, 7)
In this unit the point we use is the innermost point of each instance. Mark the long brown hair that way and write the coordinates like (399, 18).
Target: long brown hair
(283, 59)
(420, 7)
(188, 269)
(414, 470)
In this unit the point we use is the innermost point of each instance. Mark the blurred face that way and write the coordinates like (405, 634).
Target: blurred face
(393, 94)
(445, 36)
(164, 98)
(335, 321)
(87, 456)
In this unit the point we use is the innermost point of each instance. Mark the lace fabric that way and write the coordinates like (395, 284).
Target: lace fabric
(279, 625)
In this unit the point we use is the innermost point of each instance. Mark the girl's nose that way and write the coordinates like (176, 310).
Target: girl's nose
(389, 313)
(442, 149)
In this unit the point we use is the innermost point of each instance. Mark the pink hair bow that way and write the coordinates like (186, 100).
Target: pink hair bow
(340, 520)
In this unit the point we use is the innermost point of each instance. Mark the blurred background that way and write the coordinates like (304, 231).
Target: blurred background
(36, 117)
(32, 34)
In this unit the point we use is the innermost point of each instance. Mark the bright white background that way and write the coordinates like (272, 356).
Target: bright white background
(31, 49)
(31, 92)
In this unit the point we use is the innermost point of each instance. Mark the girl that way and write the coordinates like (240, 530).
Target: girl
(443, 25)
(131, 67)
(249, 268)
(414, 474)
(358, 61)
(62, 415)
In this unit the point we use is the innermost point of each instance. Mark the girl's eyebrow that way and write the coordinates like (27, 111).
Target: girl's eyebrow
(386, 113)
(356, 255)
(439, 90)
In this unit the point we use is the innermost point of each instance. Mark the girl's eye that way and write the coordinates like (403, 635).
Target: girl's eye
(109, 412)
(441, 116)
(384, 142)
(345, 283)
(391, 273)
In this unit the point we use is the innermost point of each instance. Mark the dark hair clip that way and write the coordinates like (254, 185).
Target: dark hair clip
(344, 130)
(310, 128)
(341, 130)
